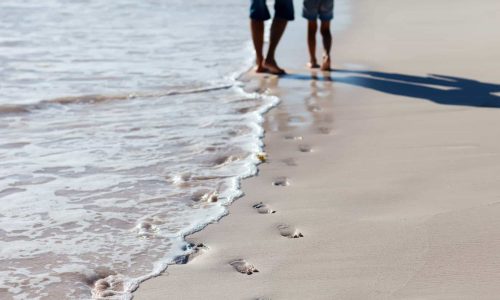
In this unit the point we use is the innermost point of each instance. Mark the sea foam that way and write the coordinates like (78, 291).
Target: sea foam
(122, 129)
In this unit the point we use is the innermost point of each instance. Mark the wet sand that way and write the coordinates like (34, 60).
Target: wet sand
(383, 179)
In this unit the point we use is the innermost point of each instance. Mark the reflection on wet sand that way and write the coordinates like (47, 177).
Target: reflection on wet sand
(320, 103)
(314, 113)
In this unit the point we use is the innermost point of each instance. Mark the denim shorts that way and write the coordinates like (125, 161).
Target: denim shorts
(314, 9)
(283, 9)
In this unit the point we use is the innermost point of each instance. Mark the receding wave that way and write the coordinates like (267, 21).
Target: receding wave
(96, 99)
(116, 141)
(148, 171)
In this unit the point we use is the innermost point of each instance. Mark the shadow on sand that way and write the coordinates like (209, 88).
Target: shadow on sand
(440, 89)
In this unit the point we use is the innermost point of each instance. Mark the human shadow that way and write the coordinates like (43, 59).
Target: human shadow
(446, 90)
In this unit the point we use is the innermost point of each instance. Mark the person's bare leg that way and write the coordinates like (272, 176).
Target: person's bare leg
(312, 28)
(277, 30)
(327, 45)
(257, 28)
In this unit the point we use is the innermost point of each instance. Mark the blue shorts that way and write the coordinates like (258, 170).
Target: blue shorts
(314, 9)
(283, 9)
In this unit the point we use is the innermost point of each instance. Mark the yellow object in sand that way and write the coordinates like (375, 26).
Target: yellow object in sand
(262, 157)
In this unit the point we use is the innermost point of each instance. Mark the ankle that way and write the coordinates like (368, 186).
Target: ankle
(269, 60)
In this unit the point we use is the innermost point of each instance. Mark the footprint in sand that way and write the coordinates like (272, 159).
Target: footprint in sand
(314, 108)
(293, 137)
(290, 162)
(289, 231)
(324, 130)
(101, 289)
(243, 267)
(263, 208)
(146, 229)
(281, 181)
(104, 282)
(196, 250)
(305, 148)
(208, 196)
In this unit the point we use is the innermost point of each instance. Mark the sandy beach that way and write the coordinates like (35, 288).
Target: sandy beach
(392, 164)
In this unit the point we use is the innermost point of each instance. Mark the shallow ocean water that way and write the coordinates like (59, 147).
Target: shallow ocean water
(122, 128)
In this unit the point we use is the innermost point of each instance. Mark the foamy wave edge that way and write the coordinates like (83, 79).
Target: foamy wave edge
(269, 102)
(258, 131)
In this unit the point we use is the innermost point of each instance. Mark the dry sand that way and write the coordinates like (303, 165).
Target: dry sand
(400, 196)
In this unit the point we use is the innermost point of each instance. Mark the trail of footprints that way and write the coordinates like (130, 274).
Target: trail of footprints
(288, 231)
(285, 230)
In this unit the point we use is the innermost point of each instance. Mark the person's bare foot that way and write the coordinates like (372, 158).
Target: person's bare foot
(259, 66)
(313, 64)
(260, 69)
(326, 65)
(272, 67)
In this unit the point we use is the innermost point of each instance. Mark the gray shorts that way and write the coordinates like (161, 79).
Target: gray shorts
(318, 9)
